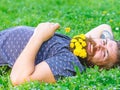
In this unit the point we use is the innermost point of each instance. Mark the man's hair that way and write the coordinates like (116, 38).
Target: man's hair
(118, 53)
(117, 63)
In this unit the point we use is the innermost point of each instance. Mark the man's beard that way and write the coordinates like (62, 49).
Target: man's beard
(93, 43)
(87, 61)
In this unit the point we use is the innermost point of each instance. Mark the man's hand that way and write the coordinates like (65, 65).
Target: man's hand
(44, 31)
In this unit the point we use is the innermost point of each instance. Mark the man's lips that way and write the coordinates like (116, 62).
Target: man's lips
(90, 49)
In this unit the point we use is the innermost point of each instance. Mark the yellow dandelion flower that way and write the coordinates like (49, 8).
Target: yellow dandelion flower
(82, 36)
(76, 52)
(80, 55)
(83, 50)
(79, 50)
(84, 44)
(72, 45)
(83, 53)
(79, 47)
(67, 29)
(77, 36)
(77, 44)
(80, 40)
(74, 40)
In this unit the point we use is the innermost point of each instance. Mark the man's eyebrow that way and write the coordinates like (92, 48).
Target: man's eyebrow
(108, 54)
(107, 49)
(107, 40)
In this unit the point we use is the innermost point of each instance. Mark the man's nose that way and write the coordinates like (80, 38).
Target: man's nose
(99, 47)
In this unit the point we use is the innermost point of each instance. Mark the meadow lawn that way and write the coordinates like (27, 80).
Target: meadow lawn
(80, 16)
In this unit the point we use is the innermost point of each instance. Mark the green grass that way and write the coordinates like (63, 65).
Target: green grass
(80, 16)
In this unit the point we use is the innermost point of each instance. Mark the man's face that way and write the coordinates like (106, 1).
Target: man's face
(102, 52)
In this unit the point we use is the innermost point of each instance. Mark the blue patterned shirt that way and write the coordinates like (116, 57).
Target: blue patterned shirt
(55, 51)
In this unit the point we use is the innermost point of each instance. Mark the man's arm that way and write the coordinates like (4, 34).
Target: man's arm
(24, 68)
(102, 31)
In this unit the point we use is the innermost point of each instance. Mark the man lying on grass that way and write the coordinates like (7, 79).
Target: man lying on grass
(41, 54)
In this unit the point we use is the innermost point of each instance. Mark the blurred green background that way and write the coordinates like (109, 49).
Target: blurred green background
(81, 16)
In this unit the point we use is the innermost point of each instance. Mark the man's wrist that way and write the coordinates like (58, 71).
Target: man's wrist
(36, 38)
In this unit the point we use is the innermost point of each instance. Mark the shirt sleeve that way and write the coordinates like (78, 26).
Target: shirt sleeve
(63, 64)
